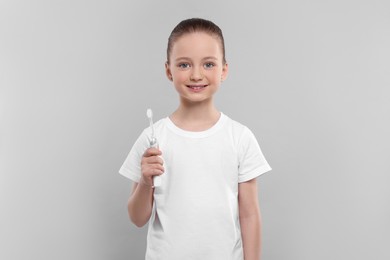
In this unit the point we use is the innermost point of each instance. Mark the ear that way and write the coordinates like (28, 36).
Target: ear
(168, 71)
(225, 71)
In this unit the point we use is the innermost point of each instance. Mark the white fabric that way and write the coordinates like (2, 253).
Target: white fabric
(195, 213)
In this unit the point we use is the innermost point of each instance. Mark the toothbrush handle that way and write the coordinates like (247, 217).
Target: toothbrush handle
(157, 181)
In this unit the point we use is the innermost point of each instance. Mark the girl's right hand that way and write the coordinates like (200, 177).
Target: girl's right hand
(151, 165)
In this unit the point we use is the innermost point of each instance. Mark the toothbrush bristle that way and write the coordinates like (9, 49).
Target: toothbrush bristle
(149, 113)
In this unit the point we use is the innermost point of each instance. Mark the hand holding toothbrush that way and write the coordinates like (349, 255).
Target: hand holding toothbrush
(151, 166)
(152, 162)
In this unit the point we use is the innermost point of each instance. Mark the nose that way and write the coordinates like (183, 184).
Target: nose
(196, 74)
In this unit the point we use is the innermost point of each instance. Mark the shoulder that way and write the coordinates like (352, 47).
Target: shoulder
(237, 129)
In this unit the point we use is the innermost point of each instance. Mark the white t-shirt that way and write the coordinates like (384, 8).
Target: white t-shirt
(195, 211)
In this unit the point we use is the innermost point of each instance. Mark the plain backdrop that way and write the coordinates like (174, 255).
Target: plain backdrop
(309, 78)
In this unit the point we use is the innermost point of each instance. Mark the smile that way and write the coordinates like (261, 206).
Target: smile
(196, 87)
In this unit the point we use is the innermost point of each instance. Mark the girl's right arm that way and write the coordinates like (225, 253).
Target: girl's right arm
(140, 203)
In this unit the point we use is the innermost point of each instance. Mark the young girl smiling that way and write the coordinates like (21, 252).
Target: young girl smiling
(207, 205)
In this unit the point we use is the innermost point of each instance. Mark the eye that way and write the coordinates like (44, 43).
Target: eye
(183, 65)
(209, 65)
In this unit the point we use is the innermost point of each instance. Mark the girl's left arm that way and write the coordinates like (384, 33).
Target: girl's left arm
(250, 219)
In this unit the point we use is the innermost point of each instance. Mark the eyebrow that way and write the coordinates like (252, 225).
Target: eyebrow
(205, 58)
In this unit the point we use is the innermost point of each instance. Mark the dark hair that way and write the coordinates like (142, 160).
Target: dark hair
(195, 25)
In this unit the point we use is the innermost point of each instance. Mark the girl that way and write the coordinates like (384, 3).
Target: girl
(207, 205)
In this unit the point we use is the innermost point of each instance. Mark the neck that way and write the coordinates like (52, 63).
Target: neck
(195, 116)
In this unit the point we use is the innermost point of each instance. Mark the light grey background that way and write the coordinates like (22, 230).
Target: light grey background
(310, 78)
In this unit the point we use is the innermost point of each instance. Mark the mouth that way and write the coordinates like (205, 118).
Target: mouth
(196, 87)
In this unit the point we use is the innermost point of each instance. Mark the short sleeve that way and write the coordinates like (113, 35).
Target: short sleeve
(131, 168)
(252, 162)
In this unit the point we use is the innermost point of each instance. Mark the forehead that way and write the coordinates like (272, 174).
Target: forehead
(197, 44)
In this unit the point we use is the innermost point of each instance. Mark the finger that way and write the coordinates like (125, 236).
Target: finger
(158, 172)
(153, 170)
(152, 151)
(153, 160)
(147, 166)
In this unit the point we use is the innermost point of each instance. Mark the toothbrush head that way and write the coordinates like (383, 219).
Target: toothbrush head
(149, 113)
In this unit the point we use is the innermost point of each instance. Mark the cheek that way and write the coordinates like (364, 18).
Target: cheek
(179, 76)
(215, 76)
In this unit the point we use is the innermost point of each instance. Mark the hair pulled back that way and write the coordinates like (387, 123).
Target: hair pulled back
(195, 25)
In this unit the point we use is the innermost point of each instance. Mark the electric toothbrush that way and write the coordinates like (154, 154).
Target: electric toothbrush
(153, 143)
